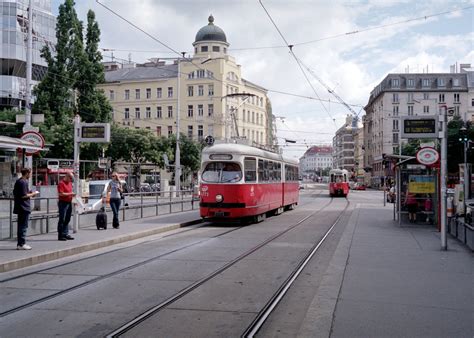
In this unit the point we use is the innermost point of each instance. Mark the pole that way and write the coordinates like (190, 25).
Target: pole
(29, 45)
(444, 170)
(177, 168)
(466, 177)
(77, 134)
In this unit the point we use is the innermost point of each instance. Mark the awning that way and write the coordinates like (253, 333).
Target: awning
(12, 144)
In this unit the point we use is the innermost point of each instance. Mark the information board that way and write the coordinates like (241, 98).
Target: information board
(95, 132)
(420, 127)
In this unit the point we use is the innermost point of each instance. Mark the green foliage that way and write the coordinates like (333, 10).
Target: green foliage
(456, 147)
(74, 70)
(8, 115)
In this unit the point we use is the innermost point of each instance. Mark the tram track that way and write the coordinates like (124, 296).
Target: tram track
(111, 274)
(159, 307)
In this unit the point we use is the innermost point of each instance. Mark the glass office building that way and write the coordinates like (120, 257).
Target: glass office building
(13, 35)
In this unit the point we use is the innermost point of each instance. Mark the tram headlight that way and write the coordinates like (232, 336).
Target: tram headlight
(219, 198)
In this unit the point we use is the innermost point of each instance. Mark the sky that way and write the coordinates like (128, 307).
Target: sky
(381, 40)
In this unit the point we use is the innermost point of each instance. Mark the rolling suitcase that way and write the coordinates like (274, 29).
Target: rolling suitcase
(101, 219)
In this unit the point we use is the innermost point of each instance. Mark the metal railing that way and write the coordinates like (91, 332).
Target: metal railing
(134, 206)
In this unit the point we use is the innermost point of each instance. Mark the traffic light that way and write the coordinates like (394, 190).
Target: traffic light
(463, 135)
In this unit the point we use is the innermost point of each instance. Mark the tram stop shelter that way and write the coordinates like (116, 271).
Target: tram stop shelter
(423, 183)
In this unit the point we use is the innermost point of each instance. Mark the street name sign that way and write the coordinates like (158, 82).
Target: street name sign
(419, 127)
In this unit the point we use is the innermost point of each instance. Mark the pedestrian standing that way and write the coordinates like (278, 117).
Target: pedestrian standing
(65, 196)
(115, 190)
(412, 206)
(22, 208)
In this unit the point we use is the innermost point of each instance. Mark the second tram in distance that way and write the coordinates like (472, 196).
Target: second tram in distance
(242, 182)
(339, 183)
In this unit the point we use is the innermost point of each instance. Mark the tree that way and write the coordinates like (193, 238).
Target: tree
(93, 106)
(73, 70)
(456, 147)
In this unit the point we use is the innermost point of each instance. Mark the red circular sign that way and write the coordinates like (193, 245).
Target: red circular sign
(427, 156)
(35, 138)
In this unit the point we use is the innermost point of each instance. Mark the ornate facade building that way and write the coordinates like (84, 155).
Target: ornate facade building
(315, 160)
(205, 92)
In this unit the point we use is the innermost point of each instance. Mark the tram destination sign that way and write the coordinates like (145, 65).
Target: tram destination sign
(95, 132)
(420, 127)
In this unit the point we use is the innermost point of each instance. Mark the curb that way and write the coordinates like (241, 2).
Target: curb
(53, 255)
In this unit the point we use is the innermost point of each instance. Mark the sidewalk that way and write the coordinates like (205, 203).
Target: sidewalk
(387, 280)
(46, 247)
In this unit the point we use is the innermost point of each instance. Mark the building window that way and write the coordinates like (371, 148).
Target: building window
(456, 111)
(395, 83)
(200, 132)
(170, 91)
(148, 113)
(456, 98)
(211, 90)
(411, 83)
(441, 82)
(216, 49)
(158, 131)
(410, 110)
(204, 48)
(158, 93)
(395, 138)
(243, 115)
(210, 109)
(190, 90)
(441, 98)
(127, 113)
(111, 95)
(472, 102)
(170, 111)
(395, 98)
(159, 113)
(148, 93)
(190, 111)
(170, 131)
(426, 82)
(200, 90)
(455, 82)
(395, 111)
(190, 132)
(126, 95)
(426, 109)
(426, 96)
(137, 113)
(200, 109)
(137, 94)
(410, 98)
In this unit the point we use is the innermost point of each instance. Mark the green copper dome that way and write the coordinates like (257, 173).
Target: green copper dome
(210, 32)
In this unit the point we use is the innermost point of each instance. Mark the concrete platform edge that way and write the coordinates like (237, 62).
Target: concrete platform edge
(319, 317)
(53, 255)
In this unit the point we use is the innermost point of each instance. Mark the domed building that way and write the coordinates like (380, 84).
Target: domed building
(210, 101)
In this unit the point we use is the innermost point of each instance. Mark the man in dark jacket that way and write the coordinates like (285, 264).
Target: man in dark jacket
(22, 195)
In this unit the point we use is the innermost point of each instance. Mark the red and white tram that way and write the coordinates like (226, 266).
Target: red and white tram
(339, 184)
(238, 181)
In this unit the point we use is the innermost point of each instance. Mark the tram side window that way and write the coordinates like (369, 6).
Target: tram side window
(265, 171)
(250, 167)
(278, 171)
(260, 171)
(271, 172)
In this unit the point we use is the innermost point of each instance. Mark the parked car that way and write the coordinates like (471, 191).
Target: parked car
(98, 189)
(359, 186)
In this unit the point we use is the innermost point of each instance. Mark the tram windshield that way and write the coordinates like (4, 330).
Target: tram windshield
(222, 172)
